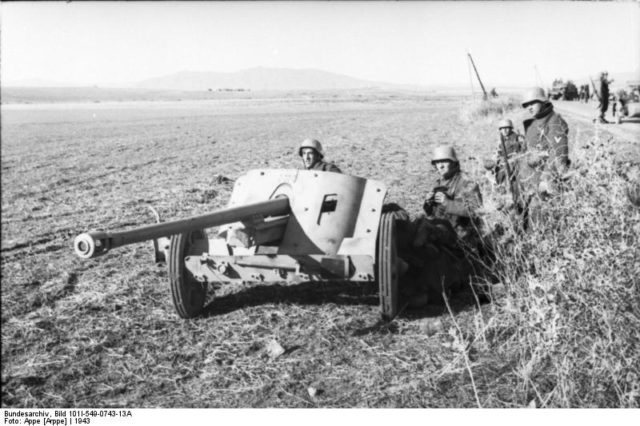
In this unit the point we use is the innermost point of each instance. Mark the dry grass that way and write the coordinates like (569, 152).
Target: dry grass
(104, 333)
(566, 327)
(477, 109)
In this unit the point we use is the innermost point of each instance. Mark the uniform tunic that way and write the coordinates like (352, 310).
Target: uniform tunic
(547, 150)
(514, 144)
(604, 96)
(325, 167)
(445, 242)
(463, 199)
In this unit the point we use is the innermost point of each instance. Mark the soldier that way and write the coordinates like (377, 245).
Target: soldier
(510, 140)
(446, 239)
(604, 96)
(312, 154)
(587, 95)
(546, 157)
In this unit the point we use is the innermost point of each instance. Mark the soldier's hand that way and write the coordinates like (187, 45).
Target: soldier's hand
(536, 159)
(489, 164)
(439, 198)
(429, 195)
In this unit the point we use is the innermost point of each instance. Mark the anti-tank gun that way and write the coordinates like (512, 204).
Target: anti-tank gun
(280, 226)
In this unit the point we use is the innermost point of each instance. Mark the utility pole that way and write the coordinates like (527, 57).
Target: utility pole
(484, 92)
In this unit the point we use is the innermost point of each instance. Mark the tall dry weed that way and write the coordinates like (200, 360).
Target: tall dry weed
(473, 110)
(566, 330)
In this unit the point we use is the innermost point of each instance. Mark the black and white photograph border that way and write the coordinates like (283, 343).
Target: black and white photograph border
(393, 204)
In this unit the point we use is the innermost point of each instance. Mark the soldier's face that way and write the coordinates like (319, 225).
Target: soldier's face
(505, 131)
(534, 107)
(443, 167)
(309, 157)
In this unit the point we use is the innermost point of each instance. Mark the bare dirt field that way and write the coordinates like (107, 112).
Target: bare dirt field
(103, 333)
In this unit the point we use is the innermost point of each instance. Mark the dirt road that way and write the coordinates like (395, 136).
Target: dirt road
(627, 134)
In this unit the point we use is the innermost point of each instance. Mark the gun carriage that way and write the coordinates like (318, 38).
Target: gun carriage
(280, 226)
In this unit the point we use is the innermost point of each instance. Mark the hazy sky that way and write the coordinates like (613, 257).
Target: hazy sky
(399, 42)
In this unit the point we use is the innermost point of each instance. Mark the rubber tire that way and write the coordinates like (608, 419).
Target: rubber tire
(387, 267)
(187, 293)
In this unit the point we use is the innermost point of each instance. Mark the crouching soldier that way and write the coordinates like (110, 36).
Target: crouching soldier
(446, 238)
(510, 143)
(312, 154)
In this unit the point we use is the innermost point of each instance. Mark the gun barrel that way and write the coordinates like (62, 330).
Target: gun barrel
(96, 243)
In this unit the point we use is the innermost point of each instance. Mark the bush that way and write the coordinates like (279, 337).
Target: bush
(490, 108)
(566, 331)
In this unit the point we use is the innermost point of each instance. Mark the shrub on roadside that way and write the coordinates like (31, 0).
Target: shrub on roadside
(475, 109)
(566, 332)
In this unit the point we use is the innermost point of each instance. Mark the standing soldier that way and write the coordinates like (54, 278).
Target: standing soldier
(604, 96)
(446, 239)
(587, 94)
(312, 154)
(547, 151)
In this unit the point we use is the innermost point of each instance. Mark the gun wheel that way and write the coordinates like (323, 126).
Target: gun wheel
(188, 294)
(387, 267)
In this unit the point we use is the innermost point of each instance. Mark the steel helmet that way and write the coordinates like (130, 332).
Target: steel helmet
(313, 144)
(444, 152)
(533, 95)
(505, 122)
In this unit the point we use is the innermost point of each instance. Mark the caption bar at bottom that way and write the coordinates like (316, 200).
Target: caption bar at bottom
(64, 417)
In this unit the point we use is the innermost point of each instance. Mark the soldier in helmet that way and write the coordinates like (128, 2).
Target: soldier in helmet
(546, 159)
(510, 144)
(312, 154)
(446, 238)
(604, 96)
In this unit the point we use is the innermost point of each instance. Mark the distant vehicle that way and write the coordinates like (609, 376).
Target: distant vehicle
(567, 91)
(629, 102)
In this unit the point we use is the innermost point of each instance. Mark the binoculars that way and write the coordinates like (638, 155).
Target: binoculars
(430, 203)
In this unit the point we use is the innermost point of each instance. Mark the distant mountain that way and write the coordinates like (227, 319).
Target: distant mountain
(260, 79)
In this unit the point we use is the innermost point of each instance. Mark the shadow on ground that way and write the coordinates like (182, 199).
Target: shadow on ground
(314, 293)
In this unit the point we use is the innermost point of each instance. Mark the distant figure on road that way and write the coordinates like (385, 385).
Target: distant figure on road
(510, 140)
(312, 154)
(587, 96)
(444, 245)
(604, 96)
(547, 152)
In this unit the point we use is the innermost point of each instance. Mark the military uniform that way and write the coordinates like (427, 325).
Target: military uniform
(446, 239)
(545, 160)
(547, 152)
(514, 144)
(604, 97)
(316, 146)
(463, 199)
(325, 167)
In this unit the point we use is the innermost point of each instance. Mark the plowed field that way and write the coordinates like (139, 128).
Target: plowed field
(103, 332)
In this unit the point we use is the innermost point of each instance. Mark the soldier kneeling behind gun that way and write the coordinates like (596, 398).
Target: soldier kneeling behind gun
(443, 246)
